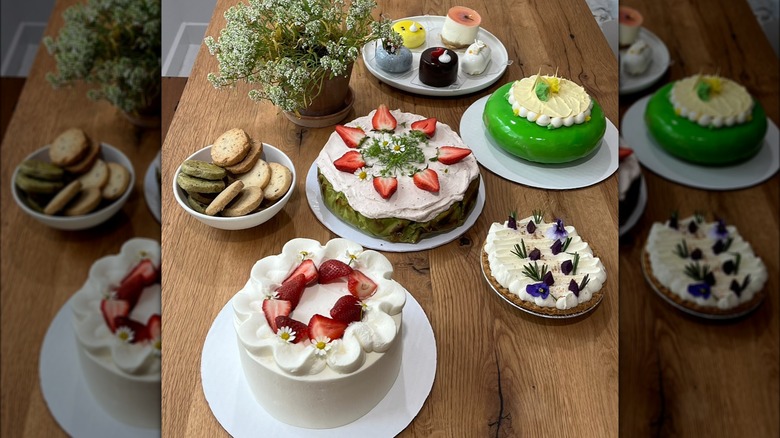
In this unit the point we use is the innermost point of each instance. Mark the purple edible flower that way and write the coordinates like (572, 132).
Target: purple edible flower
(692, 227)
(548, 279)
(557, 231)
(535, 254)
(556, 247)
(538, 290)
(531, 227)
(696, 254)
(699, 290)
(574, 288)
(567, 267)
(720, 231)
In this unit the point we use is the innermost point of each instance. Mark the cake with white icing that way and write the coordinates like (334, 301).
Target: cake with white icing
(398, 176)
(476, 58)
(460, 28)
(543, 267)
(116, 320)
(319, 332)
(704, 266)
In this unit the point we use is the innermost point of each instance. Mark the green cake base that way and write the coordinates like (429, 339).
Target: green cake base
(532, 142)
(697, 144)
(394, 229)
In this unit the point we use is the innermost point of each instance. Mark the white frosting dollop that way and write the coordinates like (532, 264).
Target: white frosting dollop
(445, 57)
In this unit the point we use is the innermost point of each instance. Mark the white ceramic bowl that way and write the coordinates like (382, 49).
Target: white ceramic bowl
(109, 154)
(271, 155)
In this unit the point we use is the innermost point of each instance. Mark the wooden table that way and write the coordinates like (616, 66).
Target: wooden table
(42, 267)
(500, 372)
(680, 375)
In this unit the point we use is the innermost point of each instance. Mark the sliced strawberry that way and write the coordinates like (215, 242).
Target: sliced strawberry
(385, 186)
(292, 289)
(350, 162)
(274, 308)
(427, 180)
(154, 326)
(332, 270)
(383, 120)
(140, 331)
(112, 309)
(308, 270)
(347, 309)
(360, 286)
(323, 326)
(352, 136)
(451, 154)
(427, 126)
(143, 275)
(624, 152)
(301, 330)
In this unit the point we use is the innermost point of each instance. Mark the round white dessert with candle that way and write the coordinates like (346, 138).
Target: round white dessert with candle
(476, 58)
(460, 27)
(305, 364)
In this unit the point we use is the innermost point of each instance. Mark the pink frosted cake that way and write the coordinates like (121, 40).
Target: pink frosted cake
(319, 332)
(116, 319)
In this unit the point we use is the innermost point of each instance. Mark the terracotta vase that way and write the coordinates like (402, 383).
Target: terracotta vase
(331, 105)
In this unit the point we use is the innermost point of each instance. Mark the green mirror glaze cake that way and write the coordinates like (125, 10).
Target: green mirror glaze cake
(706, 120)
(544, 119)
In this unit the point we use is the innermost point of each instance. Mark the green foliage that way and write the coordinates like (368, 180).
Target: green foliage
(114, 44)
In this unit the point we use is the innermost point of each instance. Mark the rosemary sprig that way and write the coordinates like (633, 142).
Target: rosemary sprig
(698, 215)
(696, 271)
(737, 259)
(682, 249)
(538, 216)
(533, 272)
(520, 251)
(584, 282)
(566, 244)
(575, 263)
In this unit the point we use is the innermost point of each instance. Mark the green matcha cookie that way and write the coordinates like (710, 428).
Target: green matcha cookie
(202, 169)
(195, 205)
(200, 185)
(41, 170)
(34, 185)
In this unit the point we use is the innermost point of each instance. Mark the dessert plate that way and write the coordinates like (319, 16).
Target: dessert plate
(656, 69)
(65, 390)
(347, 231)
(229, 398)
(152, 188)
(584, 172)
(641, 203)
(749, 173)
(465, 84)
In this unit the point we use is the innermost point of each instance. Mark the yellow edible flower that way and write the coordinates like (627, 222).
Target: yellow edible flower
(716, 85)
(555, 84)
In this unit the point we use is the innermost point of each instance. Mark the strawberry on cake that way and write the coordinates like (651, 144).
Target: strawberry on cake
(398, 176)
(117, 326)
(319, 332)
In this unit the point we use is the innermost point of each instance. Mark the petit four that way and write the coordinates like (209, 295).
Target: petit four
(438, 67)
(637, 58)
(629, 23)
(476, 58)
(460, 27)
(412, 32)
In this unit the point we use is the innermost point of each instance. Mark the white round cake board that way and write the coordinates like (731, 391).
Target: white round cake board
(152, 188)
(464, 84)
(347, 231)
(641, 203)
(229, 398)
(594, 168)
(66, 392)
(748, 173)
(656, 69)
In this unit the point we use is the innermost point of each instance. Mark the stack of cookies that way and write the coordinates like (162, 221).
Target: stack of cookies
(75, 181)
(237, 182)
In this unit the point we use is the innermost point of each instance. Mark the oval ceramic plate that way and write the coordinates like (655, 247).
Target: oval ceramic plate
(749, 173)
(596, 167)
(656, 69)
(152, 188)
(465, 84)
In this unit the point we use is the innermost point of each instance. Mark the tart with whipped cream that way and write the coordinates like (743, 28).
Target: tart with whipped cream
(544, 268)
(706, 267)
(706, 119)
(116, 319)
(398, 176)
(319, 332)
(544, 119)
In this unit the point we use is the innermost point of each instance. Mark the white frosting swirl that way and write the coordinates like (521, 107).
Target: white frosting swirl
(731, 105)
(571, 105)
(507, 268)
(445, 57)
(140, 359)
(362, 341)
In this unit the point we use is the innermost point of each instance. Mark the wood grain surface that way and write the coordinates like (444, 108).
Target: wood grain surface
(681, 375)
(42, 267)
(500, 372)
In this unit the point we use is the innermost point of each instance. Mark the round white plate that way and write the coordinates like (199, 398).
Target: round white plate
(347, 231)
(641, 203)
(632, 84)
(465, 84)
(748, 173)
(65, 390)
(152, 188)
(596, 167)
(227, 391)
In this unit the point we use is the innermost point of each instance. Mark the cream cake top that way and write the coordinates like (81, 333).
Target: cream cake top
(550, 101)
(711, 101)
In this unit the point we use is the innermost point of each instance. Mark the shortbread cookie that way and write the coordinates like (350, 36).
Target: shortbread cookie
(249, 161)
(97, 176)
(191, 184)
(87, 200)
(86, 163)
(34, 185)
(196, 205)
(61, 199)
(41, 170)
(259, 176)
(202, 169)
(69, 147)
(203, 198)
(230, 148)
(281, 180)
(246, 202)
(222, 200)
(119, 179)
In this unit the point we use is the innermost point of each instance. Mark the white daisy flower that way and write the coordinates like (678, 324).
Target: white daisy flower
(125, 334)
(286, 334)
(321, 345)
